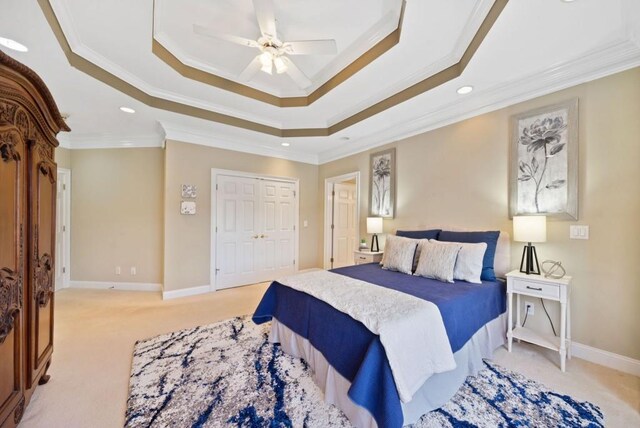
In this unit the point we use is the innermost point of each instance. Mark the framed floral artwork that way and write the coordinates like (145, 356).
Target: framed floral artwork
(544, 162)
(382, 193)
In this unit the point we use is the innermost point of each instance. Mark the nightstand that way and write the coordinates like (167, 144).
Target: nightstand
(558, 290)
(362, 257)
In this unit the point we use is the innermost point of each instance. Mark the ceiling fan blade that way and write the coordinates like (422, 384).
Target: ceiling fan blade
(266, 17)
(295, 73)
(311, 47)
(208, 32)
(251, 69)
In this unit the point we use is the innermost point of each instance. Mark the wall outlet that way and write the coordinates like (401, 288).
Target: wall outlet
(133, 270)
(529, 308)
(118, 270)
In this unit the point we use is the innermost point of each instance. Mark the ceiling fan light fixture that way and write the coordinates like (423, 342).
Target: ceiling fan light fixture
(281, 67)
(266, 59)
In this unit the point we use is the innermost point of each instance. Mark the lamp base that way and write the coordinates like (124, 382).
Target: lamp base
(374, 241)
(529, 256)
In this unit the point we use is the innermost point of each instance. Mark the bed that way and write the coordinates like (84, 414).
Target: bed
(350, 362)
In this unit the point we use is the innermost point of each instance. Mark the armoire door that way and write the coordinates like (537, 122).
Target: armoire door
(42, 219)
(344, 224)
(255, 230)
(12, 247)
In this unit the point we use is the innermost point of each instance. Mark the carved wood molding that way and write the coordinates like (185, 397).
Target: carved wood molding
(10, 300)
(19, 412)
(43, 284)
(34, 79)
(8, 142)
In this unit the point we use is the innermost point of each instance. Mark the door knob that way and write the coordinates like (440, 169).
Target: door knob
(255, 236)
(263, 236)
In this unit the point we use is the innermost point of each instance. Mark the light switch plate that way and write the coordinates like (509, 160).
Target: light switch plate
(579, 231)
(188, 208)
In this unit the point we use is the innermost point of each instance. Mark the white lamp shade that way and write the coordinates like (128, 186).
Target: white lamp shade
(374, 224)
(530, 228)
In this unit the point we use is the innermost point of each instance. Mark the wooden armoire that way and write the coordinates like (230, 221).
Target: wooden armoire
(29, 123)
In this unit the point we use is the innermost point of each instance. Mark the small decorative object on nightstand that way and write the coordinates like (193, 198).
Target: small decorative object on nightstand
(362, 257)
(559, 290)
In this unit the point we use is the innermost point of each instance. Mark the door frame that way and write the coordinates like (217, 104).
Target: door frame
(215, 172)
(328, 212)
(66, 276)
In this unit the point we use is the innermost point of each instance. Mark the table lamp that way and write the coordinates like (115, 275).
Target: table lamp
(374, 226)
(529, 229)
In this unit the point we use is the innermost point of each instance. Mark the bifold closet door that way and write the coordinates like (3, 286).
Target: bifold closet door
(255, 232)
(12, 253)
(277, 239)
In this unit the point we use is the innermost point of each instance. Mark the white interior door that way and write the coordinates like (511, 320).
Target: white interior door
(255, 230)
(237, 231)
(344, 224)
(62, 241)
(277, 239)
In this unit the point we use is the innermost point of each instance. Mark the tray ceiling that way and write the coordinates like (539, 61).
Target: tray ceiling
(525, 49)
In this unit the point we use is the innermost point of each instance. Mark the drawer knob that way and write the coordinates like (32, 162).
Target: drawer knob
(534, 288)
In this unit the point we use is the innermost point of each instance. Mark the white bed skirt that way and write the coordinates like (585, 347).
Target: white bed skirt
(434, 393)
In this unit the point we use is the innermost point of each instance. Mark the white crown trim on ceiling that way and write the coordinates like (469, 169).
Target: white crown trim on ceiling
(614, 57)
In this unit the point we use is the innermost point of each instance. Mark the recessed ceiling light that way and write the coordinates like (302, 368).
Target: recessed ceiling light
(568, 1)
(13, 45)
(127, 109)
(465, 90)
(286, 144)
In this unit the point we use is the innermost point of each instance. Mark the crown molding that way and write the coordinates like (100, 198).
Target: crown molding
(110, 141)
(476, 17)
(611, 58)
(189, 135)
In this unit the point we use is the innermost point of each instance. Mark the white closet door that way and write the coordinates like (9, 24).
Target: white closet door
(255, 235)
(344, 224)
(278, 228)
(238, 229)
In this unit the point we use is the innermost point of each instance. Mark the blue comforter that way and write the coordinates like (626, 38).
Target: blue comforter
(355, 352)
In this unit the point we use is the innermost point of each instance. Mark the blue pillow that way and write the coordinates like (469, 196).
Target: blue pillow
(419, 234)
(491, 238)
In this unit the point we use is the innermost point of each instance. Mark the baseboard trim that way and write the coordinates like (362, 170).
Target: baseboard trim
(606, 358)
(184, 292)
(123, 286)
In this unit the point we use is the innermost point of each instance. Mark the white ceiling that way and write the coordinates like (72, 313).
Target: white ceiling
(535, 47)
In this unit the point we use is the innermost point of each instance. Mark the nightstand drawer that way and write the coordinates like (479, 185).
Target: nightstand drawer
(362, 257)
(538, 289)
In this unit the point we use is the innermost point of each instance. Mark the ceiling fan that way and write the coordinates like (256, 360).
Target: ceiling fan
(274, 51)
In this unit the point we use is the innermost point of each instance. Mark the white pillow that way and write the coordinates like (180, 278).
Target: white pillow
(469, 262)
(398, 254)
(437, 260)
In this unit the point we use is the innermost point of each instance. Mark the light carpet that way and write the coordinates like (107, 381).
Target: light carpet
(228, 374)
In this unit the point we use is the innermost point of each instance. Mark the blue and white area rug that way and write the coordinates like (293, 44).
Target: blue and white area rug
(228, 375)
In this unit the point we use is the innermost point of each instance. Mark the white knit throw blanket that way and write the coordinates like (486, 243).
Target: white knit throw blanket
(410, 329)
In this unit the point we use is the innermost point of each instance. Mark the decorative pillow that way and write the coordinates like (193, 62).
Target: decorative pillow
(398, 254)
(419, 234)
(437, 260)
(490, 238)
(469, 262)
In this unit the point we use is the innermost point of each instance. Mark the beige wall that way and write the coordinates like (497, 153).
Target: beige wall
(458, 175)
(63, 157)
(117, 214)
(187, 238)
